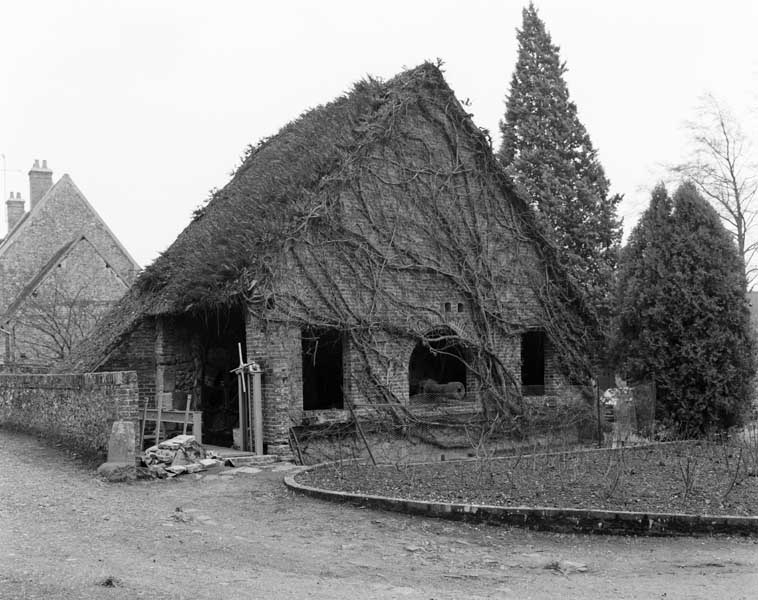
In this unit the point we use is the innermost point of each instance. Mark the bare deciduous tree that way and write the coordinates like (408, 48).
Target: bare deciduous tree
(54, 319)
(723, 168)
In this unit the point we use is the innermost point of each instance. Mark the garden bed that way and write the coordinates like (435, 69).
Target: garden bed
(699, 478)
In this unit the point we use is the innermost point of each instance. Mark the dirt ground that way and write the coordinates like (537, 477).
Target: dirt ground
(65, 534)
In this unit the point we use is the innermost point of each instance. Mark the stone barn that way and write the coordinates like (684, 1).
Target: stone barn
(371, 253)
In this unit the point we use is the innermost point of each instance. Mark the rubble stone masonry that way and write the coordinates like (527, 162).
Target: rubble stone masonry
(78, 410)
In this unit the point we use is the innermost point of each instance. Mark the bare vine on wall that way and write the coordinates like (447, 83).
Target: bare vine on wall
(366, 216)
(420, 209)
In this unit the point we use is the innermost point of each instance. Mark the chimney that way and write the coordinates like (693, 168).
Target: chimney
(40, 180)
(15, 208)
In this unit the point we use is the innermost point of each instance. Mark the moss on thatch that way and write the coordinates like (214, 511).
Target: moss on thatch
(239, 235)
(366, 145)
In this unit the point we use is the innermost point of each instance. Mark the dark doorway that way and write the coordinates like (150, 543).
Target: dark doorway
(439, 358)
(220, 336)
(322, 369)
(533, 363)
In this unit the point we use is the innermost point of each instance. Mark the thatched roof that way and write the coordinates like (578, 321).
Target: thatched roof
(239, 235)
(237, 238)
(237, 241)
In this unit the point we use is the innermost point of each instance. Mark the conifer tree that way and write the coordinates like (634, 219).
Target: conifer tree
(682, 316)
(548, 153)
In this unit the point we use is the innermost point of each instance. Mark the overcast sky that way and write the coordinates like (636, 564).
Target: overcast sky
(148, 104)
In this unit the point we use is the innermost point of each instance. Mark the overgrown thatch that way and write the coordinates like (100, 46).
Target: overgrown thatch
(290, 192)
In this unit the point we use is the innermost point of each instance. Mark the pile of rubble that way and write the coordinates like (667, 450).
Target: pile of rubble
(177, 455)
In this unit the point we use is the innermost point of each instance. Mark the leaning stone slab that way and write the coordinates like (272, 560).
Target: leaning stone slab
(121, 465)
(121, 443)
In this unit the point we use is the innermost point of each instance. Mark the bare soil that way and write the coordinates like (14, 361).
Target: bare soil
(65, 534)
(692, 478)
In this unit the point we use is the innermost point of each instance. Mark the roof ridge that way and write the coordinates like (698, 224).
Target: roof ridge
(115, 238)
(64, 180)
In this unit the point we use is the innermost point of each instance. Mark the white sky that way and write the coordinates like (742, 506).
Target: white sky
(149, 104)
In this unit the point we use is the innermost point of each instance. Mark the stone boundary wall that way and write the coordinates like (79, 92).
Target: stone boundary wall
(76, 409)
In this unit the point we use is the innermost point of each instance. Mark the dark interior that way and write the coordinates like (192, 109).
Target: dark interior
(533, 363)
(440, 357)
(322, 369)
(219, 402)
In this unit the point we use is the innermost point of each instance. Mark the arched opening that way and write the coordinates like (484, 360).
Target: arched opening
(437, 367)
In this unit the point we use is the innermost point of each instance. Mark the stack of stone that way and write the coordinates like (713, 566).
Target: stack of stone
(180, 454)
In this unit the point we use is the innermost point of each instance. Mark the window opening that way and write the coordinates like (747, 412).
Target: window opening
(437, 368)
(533, 363)
(322, 369)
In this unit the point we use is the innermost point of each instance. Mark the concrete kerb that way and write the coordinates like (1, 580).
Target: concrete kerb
(541, 518)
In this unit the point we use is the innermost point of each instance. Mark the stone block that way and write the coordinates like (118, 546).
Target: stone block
(121, 445)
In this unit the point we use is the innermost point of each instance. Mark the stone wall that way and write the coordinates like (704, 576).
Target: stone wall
(78, 410)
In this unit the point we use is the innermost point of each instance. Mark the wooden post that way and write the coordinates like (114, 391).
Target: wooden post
(249, 411)
(186, 416)
(158, 420)
(257, 408)
(142, 428)
(250, 404)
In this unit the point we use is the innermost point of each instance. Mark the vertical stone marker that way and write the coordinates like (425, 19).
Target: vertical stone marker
(121, 453)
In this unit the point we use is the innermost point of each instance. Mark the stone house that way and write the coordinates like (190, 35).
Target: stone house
(60, 268)
(371, 254)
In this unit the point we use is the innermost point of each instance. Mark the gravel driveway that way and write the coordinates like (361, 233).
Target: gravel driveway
(65, 534)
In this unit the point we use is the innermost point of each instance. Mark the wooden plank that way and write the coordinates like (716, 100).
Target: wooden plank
(158, 423)
(142, 427)
(186, 416)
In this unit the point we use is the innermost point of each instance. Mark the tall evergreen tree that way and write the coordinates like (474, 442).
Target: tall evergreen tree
(548, 153)
(682, 316)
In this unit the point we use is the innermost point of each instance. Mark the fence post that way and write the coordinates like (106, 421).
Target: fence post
(256, 372)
